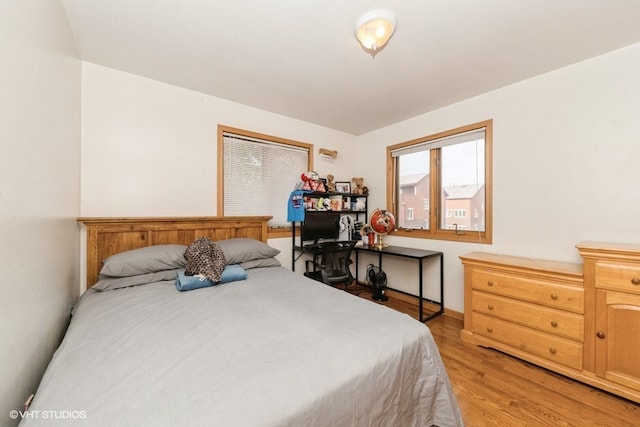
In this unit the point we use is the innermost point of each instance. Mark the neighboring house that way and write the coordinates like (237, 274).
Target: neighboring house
(414, 201)
(464, 207)
(464, 204)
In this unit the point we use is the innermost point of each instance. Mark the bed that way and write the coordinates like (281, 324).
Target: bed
(273, 349)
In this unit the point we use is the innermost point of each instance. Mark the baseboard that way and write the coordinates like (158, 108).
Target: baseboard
(454, 314)
(412, 299)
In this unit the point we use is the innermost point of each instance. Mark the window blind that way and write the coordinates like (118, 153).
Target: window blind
(472, 135)
(259, 175)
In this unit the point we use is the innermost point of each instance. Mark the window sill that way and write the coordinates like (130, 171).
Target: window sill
(467, 236)
(278, 232)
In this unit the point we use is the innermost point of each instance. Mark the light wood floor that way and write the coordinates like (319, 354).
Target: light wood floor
(494, 389)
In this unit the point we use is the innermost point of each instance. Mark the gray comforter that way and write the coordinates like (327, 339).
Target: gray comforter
(276, 349)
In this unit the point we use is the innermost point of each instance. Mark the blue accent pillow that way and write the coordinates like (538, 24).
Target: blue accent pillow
(231, 273)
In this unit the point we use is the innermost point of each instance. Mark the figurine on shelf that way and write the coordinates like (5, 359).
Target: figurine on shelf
(311, 182)
(331, 185)
(367, 231)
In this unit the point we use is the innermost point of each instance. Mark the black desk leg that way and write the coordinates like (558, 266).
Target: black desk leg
(441, 309)
(356, 253)
(420, 291)
(441, 284)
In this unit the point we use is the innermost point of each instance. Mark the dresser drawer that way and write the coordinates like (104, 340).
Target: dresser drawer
(553, 348)
(618, 276)
(564, 297)
(553, 321)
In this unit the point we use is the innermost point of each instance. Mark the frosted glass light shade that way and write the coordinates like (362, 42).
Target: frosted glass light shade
(374, 29)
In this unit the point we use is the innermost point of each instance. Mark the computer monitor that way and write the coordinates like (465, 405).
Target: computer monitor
(319, 226)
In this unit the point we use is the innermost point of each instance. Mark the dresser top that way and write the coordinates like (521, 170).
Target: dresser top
(488, 259)
(627, 251)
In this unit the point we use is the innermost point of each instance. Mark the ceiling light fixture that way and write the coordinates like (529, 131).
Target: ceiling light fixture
(374, 29)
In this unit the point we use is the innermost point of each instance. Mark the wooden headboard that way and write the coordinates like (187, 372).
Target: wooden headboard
(108, 236)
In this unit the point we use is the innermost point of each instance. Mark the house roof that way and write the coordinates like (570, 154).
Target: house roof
(412, 179)
(467, 191)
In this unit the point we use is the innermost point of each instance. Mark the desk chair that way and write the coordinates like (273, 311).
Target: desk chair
(333, 268)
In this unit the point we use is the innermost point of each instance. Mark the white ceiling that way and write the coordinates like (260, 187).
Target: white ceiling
(299, 58)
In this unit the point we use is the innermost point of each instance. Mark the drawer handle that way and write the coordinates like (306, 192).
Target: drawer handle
(635, 281)
(552, 350)
(490, 306)
(600, 335)
(554, 296)
(489, 329)
(554, 323)
(490, 283)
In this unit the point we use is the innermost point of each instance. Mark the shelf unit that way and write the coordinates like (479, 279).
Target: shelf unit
(359, 214)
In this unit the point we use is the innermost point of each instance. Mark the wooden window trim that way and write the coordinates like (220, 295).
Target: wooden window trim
(469, 236)
(273, 232)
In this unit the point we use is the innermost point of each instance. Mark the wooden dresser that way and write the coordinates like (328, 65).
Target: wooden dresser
(531, 309)
(612, 285)
(552, 313)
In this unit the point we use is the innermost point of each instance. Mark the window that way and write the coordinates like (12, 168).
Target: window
(450, 173)
(459, 213)
(410, 214)
(256, 173)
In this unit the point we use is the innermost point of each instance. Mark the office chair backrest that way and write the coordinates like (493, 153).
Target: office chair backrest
(335, 261)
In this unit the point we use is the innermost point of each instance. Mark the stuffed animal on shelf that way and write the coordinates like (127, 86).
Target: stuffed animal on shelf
(358, 186)
(331, 186)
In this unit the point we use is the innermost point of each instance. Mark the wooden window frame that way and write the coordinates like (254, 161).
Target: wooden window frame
(436, 204)
(273, 232)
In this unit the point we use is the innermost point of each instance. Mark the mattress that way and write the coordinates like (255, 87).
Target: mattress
(276, 349)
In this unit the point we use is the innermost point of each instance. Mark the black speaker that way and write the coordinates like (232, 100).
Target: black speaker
(355, 233)
(377, 279)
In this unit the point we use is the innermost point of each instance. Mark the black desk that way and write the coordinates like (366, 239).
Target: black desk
(317, 250)
(417, 254)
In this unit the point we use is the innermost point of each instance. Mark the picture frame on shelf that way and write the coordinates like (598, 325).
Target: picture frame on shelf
(346, 203)
(343, 187)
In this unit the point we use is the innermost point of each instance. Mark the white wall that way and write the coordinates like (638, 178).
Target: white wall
(566, 153)
(149, 148)
(39, 191)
